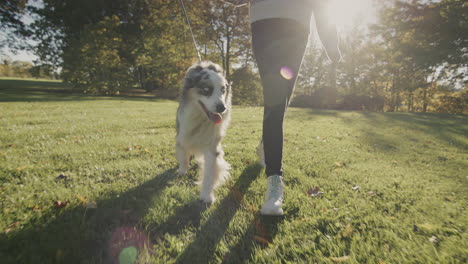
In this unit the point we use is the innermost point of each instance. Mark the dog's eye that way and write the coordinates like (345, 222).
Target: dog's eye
(206, 91)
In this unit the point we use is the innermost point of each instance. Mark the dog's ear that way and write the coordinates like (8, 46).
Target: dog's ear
(216, 68)
(192, 77)
(188, 83)
(198, 69)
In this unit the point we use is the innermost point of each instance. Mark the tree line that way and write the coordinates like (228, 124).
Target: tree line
(413, 59)
(24, 69)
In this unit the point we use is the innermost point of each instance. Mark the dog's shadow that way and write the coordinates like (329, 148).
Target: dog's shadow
(80, 235)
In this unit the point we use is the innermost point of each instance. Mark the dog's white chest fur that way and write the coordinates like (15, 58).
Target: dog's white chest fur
(196, 131)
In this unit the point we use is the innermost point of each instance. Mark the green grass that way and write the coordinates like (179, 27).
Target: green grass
(412, 170)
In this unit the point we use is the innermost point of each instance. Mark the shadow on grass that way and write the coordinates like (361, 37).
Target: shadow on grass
(448, 128)
(201, 250)
(17, 90)
(79, 235)
(260, 232)
(444, 127)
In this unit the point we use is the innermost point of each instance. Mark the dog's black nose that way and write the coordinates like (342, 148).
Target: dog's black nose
(220, 108)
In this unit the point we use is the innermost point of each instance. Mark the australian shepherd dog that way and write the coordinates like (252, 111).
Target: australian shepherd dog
(203, 117)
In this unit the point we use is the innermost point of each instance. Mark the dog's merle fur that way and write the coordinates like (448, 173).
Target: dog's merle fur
(199, 136)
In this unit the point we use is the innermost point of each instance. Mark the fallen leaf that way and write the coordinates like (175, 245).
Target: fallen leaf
(237, 194)
(11, 227)
(356, 188)
(371, 193)
(340, 164)
(11, 145)
(426, 227)
(61, 177)
(21, 168)
(340, 259)
(128, 149)
(433, 239)
(261, 230)
(82, 199)
(261, 240)
(449, 198)
(59, 255)
(315, 192)
(348, 231)
(60, 204)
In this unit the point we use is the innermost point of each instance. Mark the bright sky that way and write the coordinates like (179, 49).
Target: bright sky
(21, 55)
(346, 12)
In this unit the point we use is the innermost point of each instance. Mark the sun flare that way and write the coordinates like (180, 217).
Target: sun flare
(345, 13)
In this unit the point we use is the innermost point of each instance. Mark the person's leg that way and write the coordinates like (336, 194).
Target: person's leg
(278, 46)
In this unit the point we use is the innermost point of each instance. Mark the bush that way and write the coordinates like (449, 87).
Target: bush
(454, 103)
(362, 102)
(246, 87)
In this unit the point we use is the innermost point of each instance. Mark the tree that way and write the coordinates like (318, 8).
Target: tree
(246, 87)
(433, 34)
(98, 68)
(122, 43)
(227, 28)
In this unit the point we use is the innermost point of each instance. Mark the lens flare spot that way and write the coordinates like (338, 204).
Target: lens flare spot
(287, 73)
(128, 255)
(126, 243)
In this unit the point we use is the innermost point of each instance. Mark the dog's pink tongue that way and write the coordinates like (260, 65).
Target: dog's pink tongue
(216, 118)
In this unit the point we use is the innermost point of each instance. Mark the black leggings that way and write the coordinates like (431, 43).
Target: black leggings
(279, 46)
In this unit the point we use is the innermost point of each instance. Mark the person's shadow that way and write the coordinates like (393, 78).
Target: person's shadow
(80, 235)
(84, 235)
(202, 249)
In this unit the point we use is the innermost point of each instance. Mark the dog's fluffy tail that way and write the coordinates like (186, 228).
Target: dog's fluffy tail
(222, 172)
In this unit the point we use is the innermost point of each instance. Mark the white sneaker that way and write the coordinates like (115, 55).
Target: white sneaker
(261, 154)
(273, 197)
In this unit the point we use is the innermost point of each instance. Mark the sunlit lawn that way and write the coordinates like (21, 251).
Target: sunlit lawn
(394, 186)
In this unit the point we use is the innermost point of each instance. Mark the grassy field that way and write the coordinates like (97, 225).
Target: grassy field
(93, 180)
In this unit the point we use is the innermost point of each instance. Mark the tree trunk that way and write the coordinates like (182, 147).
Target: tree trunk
(424, 100)
(332, 93)
(228, 56)
(410, 102)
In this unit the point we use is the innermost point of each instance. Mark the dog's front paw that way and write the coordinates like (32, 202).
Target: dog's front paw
(207, 197)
